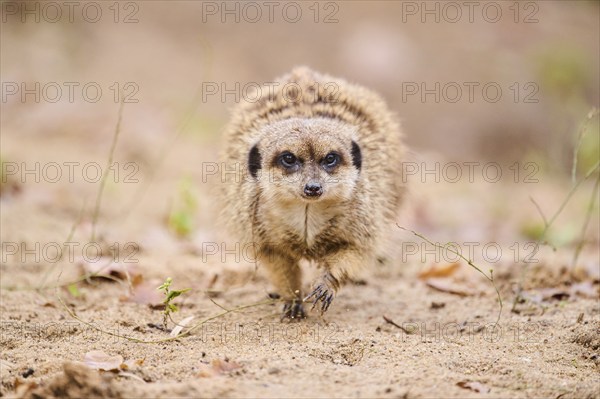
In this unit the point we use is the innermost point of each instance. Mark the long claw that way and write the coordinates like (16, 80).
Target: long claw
(312, 294)
(327, 302)
(322, 293)
(318, 298)
(316, 292)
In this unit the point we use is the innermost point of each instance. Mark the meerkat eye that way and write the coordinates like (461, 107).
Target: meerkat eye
(287, 159)
(331, 160)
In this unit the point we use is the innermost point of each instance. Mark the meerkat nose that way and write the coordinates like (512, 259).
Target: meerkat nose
(313, 189)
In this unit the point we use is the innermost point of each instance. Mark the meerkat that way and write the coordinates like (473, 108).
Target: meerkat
(312, 170)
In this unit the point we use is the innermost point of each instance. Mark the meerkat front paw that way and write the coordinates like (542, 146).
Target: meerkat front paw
(293, 310)
(324, 292)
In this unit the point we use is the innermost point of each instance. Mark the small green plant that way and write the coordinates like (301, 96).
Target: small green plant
(170, 295)
(73, 290)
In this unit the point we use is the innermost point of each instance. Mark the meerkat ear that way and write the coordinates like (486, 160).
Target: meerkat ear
(254, 160)
(356, 155)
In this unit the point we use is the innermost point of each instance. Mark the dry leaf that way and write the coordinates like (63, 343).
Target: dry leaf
(473, 386)
(107, 268)
(445, 285)
(439, 270)
(99, 360)
(586, 289)
(217, 367)
(181, 325)
(554, 294)
(46, 304)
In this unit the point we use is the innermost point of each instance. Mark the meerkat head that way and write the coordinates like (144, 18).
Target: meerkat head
(306, 159)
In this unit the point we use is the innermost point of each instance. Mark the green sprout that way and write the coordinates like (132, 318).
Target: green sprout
(73, 290)
(170, 295)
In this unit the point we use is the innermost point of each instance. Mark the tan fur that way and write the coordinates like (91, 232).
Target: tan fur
(345, 228)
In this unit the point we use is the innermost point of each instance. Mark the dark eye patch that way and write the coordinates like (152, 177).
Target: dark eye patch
(356, 155)
(254, 160)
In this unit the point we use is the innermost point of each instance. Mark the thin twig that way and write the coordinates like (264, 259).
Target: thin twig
(549, 223)
(572, 191)
(582, 132)
(570, 194)
(588, 216)
(542, 238)
(106, 171)
(448, 247)
(575, 185)
(392, 322)
(539, 209)
(217, 304)
(69, 237)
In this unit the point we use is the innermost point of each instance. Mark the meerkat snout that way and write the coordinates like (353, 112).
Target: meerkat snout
(313, 189)
(324, 183)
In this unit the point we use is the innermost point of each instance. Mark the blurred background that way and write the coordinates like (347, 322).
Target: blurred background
(111, 121)
(506, 82)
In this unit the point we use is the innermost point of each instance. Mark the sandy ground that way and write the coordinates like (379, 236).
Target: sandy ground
(446, 344)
